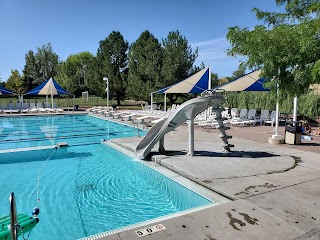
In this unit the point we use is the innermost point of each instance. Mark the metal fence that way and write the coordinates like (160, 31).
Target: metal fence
(68, 101)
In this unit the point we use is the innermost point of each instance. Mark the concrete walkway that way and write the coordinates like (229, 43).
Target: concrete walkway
(275, 189)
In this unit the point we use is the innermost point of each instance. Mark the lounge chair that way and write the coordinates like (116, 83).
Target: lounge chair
(234, 113)
(243, 119)
(41, 108)
(263, 117)
(33, 108)
(117, 115)
(129, 117)
(272, 119)
(153, 122)
(109, 113)
(3, 107)
(25, 108)
(9, 108)
(140, 120)
(57, 109)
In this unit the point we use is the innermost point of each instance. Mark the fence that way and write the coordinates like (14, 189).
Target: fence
(68, 101)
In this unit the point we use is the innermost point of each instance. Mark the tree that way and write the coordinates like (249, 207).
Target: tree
(214, 80)
(46, 61)
(145, 63)
(239, 72)
(72, 74)
(14, 82)
(178, 59)
(113, 59)
(286, 48)
(30, 72)
(40, 66)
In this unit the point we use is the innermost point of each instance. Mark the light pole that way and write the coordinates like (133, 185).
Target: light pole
(107, 90)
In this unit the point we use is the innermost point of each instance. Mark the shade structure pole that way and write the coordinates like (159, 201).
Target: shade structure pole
(295, 108)
(276, 135)
(51, 94)
(209, 81)
(46, 98)
(165, 102)
(151, 102)
(207, 112)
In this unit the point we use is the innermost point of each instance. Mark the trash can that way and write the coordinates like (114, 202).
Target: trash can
(293, 132)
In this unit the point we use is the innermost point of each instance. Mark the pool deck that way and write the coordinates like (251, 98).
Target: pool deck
(274, 189)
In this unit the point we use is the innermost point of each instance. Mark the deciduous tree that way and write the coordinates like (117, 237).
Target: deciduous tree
(15, 83)
(40, 66)
(73, 74)
(286, 47)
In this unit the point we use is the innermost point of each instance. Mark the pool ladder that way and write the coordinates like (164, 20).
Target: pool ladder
(137, 129)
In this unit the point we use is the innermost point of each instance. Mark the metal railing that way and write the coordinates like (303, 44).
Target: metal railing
(13, 217)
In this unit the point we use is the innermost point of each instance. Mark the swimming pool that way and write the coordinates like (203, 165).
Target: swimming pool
(41, 131)
(85, 188)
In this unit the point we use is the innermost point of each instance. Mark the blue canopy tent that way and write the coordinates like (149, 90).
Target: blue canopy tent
(5, 91)
(49, 87)
(248, 82)
(196, 83)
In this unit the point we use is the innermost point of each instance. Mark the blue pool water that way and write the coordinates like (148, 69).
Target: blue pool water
(41, 131)
(84, 189)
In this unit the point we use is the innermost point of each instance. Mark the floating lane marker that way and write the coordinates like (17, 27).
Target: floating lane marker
(150, 230)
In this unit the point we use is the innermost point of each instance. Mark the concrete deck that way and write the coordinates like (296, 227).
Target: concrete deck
(275, 188)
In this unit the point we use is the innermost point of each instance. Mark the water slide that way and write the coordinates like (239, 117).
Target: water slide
(186, 111)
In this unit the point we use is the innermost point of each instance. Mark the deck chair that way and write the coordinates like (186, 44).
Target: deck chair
(33, 108)
(234, 113)
(9, 108)
(272, 118)
(263, 117)
(25, 108)
(41, 108)
(129, 117)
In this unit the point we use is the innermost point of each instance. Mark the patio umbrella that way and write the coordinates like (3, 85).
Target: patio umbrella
(48, 88)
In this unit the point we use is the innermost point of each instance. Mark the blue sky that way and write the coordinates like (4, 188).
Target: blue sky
(76, 26)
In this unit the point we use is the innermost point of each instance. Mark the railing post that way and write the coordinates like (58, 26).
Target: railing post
(13, 217)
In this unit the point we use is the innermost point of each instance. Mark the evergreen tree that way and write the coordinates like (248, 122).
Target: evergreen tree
(113, 59)
(145, 62)
(30, 71)
(178, 59)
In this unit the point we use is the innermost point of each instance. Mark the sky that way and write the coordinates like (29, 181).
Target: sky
(77, 26)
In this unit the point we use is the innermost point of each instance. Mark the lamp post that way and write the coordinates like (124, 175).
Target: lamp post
(107, 90)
